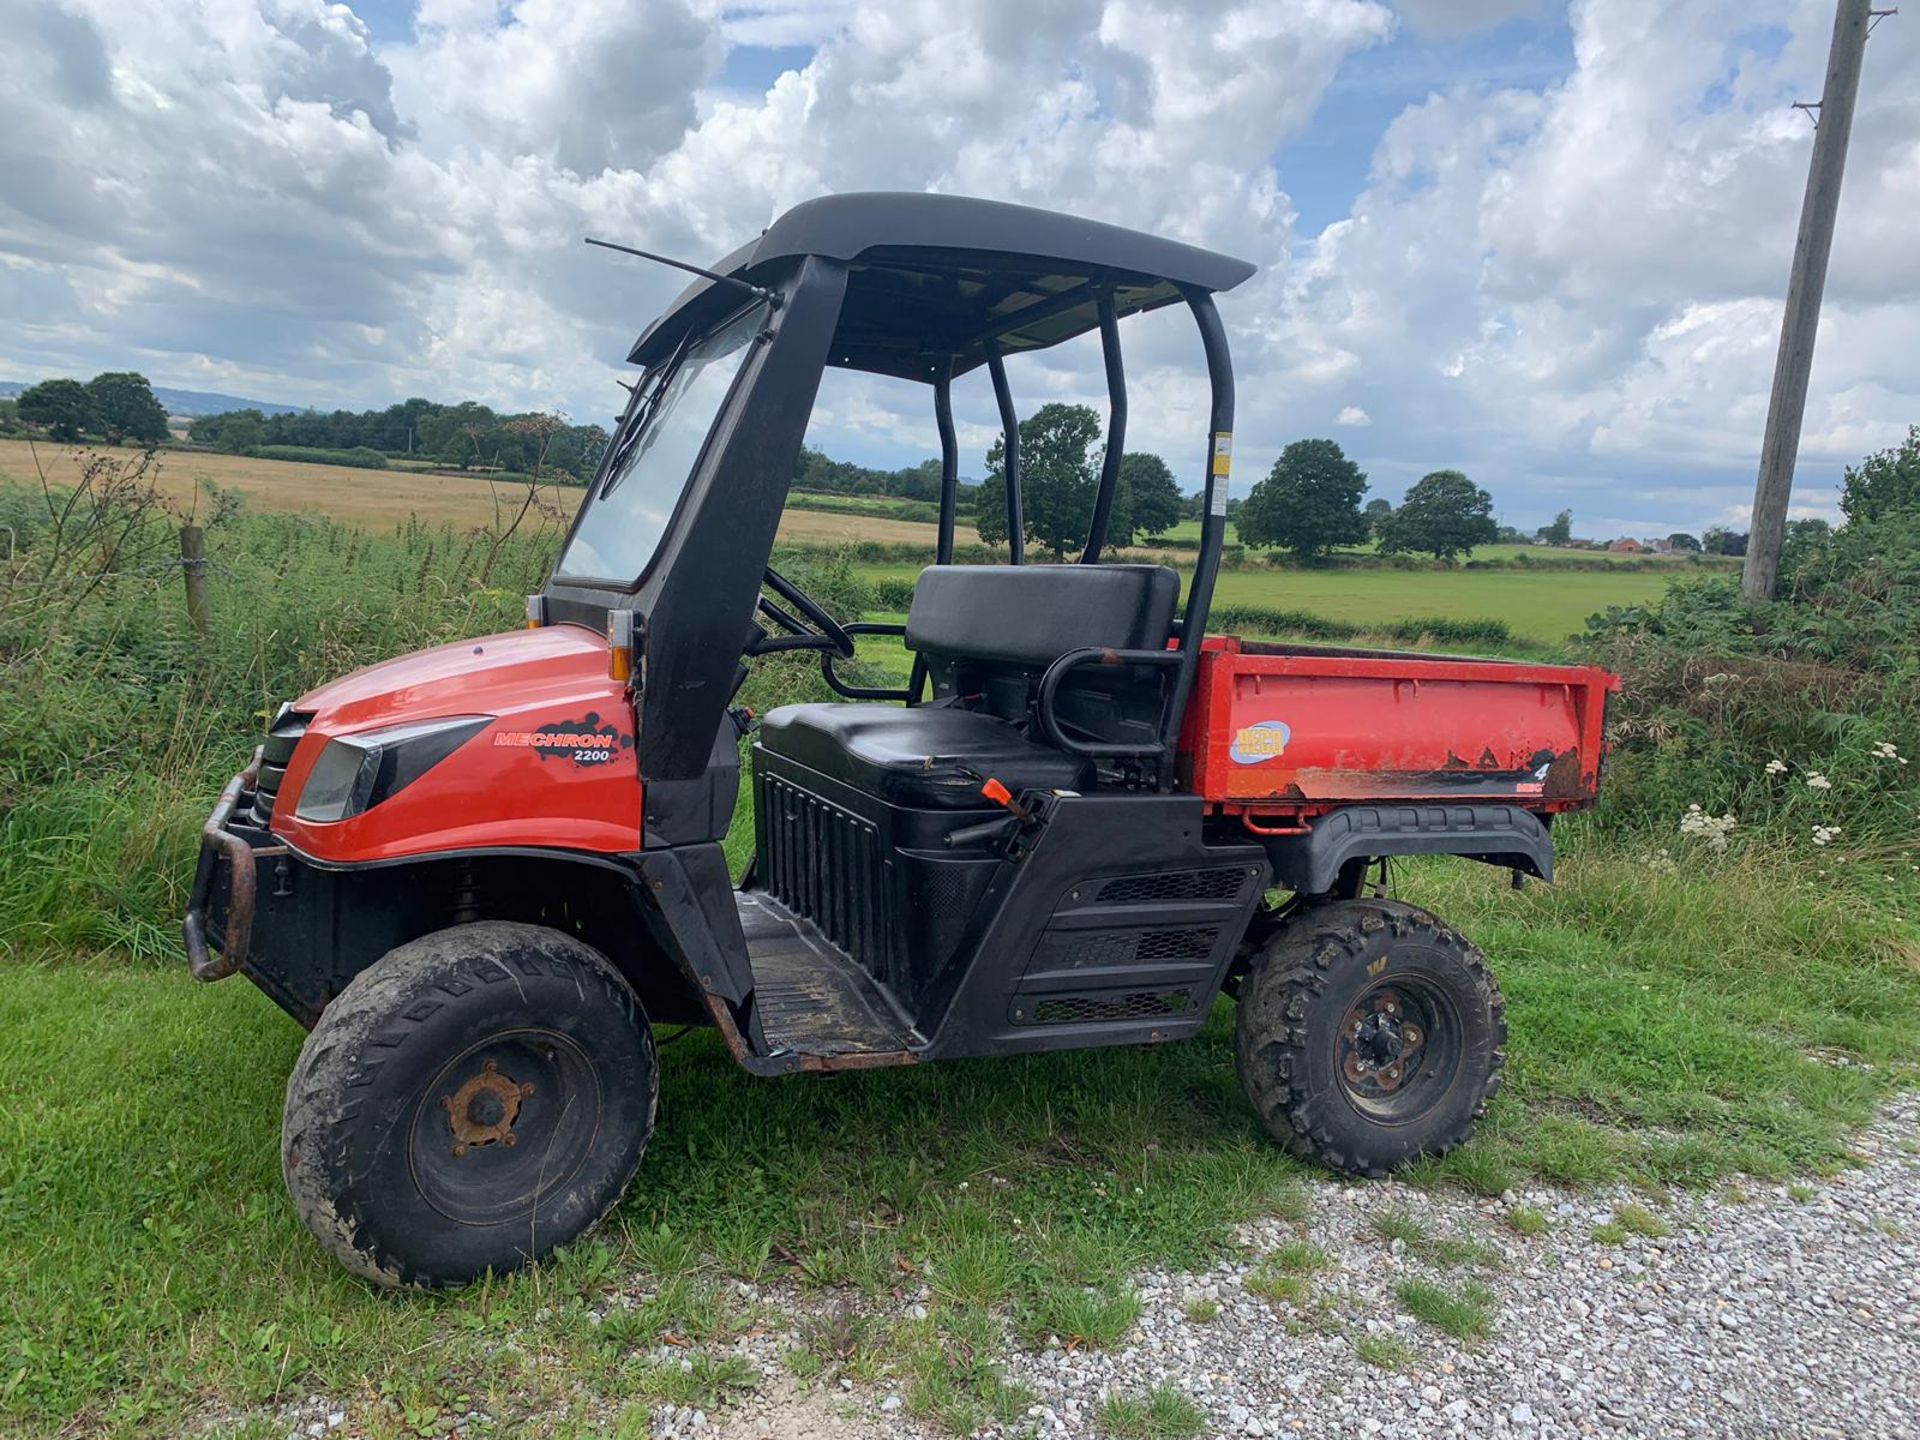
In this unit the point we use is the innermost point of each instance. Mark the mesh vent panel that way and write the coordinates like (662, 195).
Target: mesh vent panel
(1222, 883)
(1131, 947)
(1110, 1005)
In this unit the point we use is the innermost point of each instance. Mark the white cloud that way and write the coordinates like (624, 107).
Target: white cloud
(1573, 293)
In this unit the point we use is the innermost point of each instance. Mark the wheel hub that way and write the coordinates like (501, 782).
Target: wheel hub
(1379, 1046)
(483, 1109)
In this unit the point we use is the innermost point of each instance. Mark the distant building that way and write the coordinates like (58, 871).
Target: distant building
(1627, 547)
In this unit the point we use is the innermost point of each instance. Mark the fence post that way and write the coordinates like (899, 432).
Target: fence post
(193, 564)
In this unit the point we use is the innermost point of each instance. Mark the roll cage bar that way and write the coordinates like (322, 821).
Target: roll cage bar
(921, 287)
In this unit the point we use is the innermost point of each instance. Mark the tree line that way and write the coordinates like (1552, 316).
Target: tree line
(465, 436)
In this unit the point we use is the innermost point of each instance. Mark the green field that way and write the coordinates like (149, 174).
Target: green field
(1541, 606)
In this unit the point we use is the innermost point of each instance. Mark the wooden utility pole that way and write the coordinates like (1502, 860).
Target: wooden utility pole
(1788, 406)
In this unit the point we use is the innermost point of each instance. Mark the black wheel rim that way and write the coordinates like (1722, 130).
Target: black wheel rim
(504, 1126)
(1398, 1051)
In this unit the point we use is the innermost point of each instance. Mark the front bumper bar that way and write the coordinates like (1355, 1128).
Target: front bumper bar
(225, 883)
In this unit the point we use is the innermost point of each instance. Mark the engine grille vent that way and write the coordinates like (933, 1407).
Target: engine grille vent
(1220, 883)
(1131, 947)
(1107, 1005)
(824, 863)
(289, 727)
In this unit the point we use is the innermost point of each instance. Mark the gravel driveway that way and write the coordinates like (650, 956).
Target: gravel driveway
(1783, 1311)
(1795, 1313)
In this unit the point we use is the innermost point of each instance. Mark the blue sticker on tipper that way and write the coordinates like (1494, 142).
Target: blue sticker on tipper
(1259, 742)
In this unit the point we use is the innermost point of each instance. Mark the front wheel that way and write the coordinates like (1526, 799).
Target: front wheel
(471, 1101)
(1369, 1034)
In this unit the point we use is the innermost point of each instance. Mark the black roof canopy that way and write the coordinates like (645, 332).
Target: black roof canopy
(935, 280)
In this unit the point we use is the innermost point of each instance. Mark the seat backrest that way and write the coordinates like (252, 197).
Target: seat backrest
(1028, 616)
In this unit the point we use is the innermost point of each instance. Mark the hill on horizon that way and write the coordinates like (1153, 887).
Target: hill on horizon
(184, 402)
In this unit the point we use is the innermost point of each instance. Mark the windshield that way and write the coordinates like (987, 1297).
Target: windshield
(655, 452)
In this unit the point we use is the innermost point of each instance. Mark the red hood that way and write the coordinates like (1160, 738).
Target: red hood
(492, 675)
(524, 780)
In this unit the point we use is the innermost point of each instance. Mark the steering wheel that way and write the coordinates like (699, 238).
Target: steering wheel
(812, 629)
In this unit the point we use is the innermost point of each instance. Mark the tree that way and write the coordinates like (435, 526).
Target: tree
(1681, 540)
(1445, 514)
(1058, 479)
(125, 409)
(1720, 541)
(1377, 511)
(62, 407)
(1885, 481)
(241, 433)
(1309, 502)
(1148, 501)
(1560, 532)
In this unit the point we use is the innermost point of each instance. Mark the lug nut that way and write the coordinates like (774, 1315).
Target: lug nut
(509, 1138)
(526, 1089)
(460, 1150)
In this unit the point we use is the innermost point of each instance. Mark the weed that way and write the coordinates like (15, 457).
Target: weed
(1526, 1220)
(1277, 1286)
(1397, 1225)
(1162, 1413)
(699, 1380)
(1640, 1221)
(1610, 1232)
(1203, 1311)
(1384, 1351)
(953, 1380)
(1465, 1313)
(1800, 1192)
(1089, 1317)
(1298, 1257)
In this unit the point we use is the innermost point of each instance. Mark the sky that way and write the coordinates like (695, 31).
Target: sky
(1544, 244)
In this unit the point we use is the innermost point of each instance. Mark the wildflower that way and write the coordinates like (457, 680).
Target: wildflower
(1823, 834)
(1885, 751)
(1817, 781)
(1776, 767)
(1714, 829)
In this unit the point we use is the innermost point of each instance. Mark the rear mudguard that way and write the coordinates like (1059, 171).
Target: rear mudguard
(1503, 835)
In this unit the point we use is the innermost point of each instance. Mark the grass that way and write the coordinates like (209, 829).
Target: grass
(1465, 1313)
(1446, 1251)
(1660, 1023)
(1542, 606)
(1162, 1413)
(1664, 1024)
(1384, 1351)
(1527, 1221)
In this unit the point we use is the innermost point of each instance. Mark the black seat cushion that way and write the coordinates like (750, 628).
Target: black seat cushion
(924, 757)
(1031, 615)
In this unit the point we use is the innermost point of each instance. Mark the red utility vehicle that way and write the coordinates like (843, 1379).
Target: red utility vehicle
(482, 873)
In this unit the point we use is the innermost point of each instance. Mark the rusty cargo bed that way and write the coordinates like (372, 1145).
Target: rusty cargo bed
(1279, 734)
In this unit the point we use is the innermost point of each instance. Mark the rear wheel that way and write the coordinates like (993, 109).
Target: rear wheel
(471, 1101)
(1369, 1034)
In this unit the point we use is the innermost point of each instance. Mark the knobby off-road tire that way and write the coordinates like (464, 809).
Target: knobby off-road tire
(471, 1101)
(1369, 1034)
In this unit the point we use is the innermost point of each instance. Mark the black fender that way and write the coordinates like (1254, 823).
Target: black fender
(1503, 835)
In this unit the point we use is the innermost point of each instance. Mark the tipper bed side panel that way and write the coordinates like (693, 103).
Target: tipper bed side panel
(1301, 732)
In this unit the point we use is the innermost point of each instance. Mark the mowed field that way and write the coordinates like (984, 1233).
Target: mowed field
(1542, 605)
(380, 498)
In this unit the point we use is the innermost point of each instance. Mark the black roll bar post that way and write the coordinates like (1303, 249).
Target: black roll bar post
(949, 462)
(1213, 524)
(1116, 430)
(1010, 430)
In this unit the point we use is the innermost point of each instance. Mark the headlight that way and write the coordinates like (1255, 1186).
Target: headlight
(356, 772)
